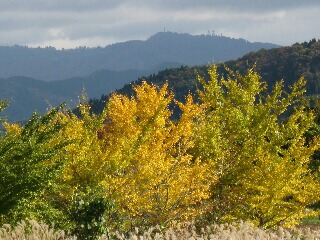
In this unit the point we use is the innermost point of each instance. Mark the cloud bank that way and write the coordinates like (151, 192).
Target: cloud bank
(72, 23)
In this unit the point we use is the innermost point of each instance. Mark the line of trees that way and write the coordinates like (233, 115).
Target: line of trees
(240, 153)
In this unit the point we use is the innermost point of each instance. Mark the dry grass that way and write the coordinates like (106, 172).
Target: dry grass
(235, 231)
(33, 230)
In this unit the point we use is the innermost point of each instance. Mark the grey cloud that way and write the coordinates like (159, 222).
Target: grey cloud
(233, 5)
(93, 5)
(60, 21)
(58, 5)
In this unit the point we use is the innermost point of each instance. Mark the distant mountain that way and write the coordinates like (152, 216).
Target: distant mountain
(21, 66)
(162, 49)
(287, 63)
(28, 95)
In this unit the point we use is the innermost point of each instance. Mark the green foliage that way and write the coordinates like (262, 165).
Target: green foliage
(3, 105)
(287, 63)
(311, 220)
(261, 160)
(90, 213)
(242, 152)
(313, 104)
(26, 159)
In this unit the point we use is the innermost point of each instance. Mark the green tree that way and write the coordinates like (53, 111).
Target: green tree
(3, 105)
(28, 160)
(260, 156)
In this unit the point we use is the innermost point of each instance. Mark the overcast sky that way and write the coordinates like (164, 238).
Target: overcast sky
(72, 23)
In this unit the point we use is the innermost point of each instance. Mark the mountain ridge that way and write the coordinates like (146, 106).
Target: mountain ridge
(50, 64)
(101, 70)
(27, 95)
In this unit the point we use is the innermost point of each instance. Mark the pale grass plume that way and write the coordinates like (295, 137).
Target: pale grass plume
(233, 231)
(32, 230)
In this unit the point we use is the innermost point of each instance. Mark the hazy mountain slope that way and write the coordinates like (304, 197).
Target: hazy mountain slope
(28, 95)
(166, 47)
(161, 51)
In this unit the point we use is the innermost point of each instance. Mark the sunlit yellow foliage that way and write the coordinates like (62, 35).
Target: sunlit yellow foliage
(85, 159)
(12, 129)
(152, 175)
(139, 156)
(240, 153)
(255, 142)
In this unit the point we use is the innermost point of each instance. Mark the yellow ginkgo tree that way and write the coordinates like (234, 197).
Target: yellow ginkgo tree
(255, 141)
(150, 172)
(85, 160)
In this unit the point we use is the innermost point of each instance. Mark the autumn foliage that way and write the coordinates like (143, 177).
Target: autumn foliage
(239, 153)
(256, 141)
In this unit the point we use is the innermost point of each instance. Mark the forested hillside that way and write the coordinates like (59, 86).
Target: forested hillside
(27, 95)
(287, 63)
